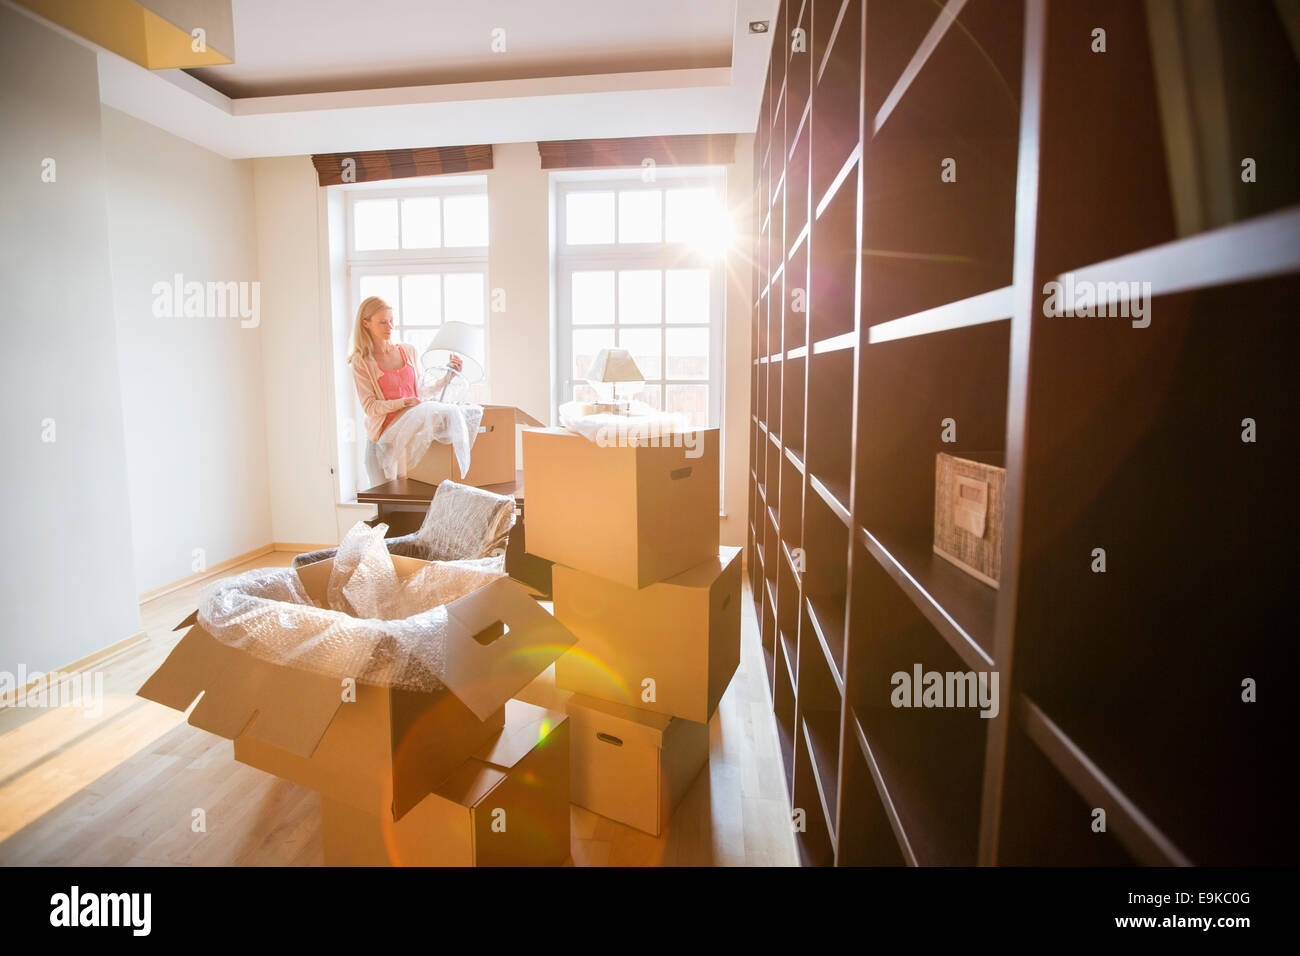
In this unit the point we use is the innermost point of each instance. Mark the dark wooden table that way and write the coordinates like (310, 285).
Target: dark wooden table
(403, 503)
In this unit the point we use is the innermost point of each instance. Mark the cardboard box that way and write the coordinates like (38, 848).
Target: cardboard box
(630, 765)
(634, 515)
(384, 752)
(491, 459)
(683, 634)
(508, 805)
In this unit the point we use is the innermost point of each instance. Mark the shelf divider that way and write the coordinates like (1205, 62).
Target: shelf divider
(1254, 249)
(947, 17)
(1135, 830)
(994, 306)
(945, 594)
(882, 789)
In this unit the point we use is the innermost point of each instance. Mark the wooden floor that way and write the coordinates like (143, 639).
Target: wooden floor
(121, 787)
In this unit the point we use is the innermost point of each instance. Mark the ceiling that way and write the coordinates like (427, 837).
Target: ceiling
(323, 76)
(315, 46)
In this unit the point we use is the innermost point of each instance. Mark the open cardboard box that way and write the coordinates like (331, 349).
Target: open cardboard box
(631, 514)
(508, 805)
(491, 459)
(683, 634)
(383, 752)
(631, 765)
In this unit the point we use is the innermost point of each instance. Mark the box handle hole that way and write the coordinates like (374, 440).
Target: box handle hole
(610, 739)
(493, 632)
(680, 473)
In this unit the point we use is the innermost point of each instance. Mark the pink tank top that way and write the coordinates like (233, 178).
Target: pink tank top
(397, 383)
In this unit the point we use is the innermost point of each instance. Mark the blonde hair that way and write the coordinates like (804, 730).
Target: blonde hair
(360, 342)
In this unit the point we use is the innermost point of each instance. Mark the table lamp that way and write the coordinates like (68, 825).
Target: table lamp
(613, 366)
(458, 338)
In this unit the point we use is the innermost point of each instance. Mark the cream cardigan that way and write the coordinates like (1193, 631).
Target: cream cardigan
(365, 374)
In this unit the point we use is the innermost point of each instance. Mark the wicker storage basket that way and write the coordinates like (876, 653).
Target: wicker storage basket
(968, 502)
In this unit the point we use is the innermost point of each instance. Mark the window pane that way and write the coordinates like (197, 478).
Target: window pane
(420, 340)
(465, 221)
(383, 286)
(588, 218)
(640, 212)
(374, 222)
(688, 353)
(464, 301)
(586, 343)
(639, 296)
(421, 300)
(652, 395)
(646, 347)
(692, 401)
(593, 298)
(688, 214)
(687, 296)
(420, 223)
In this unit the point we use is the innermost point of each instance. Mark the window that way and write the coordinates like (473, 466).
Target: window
(640, 266)
(424, 251)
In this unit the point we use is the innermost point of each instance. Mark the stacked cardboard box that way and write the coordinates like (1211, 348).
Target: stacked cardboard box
(492, 456)
(462, 775)
(640, 579)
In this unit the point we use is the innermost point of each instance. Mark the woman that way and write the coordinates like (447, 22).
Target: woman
(386, 373)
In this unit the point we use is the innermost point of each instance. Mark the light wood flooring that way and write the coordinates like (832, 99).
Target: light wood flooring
(119, 788)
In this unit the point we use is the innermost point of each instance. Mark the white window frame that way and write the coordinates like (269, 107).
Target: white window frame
(441, 260)
(654, 255)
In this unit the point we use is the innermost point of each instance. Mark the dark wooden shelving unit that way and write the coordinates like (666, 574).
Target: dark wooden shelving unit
(889, 298)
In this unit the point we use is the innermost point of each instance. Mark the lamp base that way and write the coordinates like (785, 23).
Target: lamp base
(611, 408)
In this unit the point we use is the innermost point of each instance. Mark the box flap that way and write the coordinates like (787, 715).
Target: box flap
(498, 640)
(619, 721)
(188, 622)
(527, 725)
(241, 694)
(521, 416)
(470, 783)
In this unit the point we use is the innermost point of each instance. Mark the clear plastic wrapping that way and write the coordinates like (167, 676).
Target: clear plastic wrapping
(411, 434)
(376, 628)
(464, 521)
(642, 425)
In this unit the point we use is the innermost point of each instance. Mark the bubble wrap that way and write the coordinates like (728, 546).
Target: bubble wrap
(456, 390)
(411, 434)
(643, 425)
(401, 643)
(464, 521)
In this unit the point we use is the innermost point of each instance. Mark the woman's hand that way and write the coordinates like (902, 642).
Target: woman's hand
(456, 362)
(412, 400)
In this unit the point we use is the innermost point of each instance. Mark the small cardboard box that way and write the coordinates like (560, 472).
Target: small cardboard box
(386, 750)
(508, 805)
(670, 648)
(491, 459)
(968, 502)
(631, 514)
(633, 766)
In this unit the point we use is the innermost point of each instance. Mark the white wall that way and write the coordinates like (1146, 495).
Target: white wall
(191, 387)
(519, 339)
(297, 380)
(67, 588)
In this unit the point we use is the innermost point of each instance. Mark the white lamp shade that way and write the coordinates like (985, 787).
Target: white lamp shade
(614, 365)
(464, 340)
